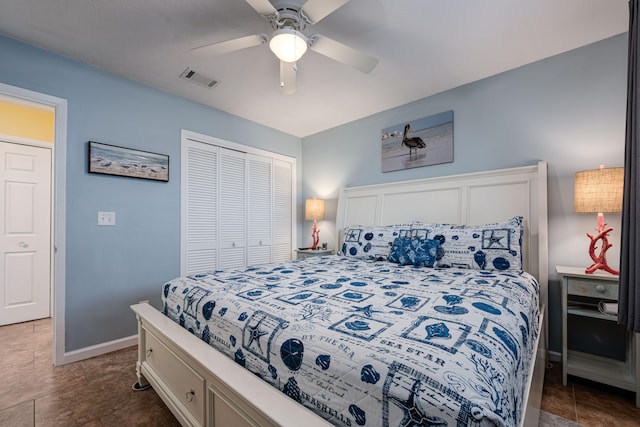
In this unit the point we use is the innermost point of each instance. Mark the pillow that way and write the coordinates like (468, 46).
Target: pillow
(414, 251)
(484, 247)
(371, 242)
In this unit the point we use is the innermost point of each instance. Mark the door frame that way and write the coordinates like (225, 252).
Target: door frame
(58, 208)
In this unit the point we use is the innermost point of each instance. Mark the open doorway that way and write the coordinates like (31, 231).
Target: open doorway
(26, 144)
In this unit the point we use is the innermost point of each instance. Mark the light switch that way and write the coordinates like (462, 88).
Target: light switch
(106, 218)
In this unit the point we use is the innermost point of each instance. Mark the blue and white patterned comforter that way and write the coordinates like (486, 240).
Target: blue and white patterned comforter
(372, 343)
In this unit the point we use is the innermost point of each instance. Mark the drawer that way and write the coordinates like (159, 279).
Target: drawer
(187, 386)
(310, 253)
(593, 288)
(302, 255)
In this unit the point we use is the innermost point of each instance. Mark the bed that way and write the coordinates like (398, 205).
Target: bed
(369, 337)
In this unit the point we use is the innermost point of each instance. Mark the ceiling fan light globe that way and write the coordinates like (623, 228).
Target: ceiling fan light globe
(288, 44)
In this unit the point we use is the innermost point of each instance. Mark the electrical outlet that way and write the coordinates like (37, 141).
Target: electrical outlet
(106, 218)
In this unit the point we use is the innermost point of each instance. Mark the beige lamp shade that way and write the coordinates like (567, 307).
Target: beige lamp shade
(314, 209)
(598, 190)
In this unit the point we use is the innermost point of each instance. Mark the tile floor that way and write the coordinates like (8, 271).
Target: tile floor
(588, 403)
(97, 392)
(94, 392)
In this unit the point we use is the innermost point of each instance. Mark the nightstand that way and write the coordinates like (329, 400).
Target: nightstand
(306, 253)
(581, 294)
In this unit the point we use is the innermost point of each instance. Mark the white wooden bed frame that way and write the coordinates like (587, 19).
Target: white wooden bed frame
(202, 387)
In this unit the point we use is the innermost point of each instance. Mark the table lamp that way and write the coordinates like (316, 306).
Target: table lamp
(599, 191)
(314, 210)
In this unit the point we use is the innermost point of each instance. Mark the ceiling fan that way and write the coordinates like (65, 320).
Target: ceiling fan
(289, 18)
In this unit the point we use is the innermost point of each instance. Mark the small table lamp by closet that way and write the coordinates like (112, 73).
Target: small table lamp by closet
(314, 210)
(599, 191)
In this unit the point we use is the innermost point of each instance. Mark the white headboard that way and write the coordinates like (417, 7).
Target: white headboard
(466, 199)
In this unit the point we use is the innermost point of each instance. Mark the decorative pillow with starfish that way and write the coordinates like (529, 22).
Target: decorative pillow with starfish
(495, 246)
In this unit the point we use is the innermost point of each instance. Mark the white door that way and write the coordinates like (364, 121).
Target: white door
(283, 217)
(233, 209)
(199, 207)
(258, 209)
(25, 239)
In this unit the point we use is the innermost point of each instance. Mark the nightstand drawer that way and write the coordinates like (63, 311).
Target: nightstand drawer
(589, 288)
(307, 253)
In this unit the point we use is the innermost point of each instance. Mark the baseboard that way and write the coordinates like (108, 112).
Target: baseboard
(99, 349)
(555, 356)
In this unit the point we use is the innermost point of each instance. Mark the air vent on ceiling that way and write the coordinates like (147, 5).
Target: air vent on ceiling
(198, 78)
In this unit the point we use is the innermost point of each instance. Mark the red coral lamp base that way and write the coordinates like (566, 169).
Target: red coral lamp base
(315, 234)
(600, 260)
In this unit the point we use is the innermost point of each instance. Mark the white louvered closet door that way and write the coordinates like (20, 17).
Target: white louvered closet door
(238, 207)
(232, 209)
(282, 221)
(258, 209)
(201, 208)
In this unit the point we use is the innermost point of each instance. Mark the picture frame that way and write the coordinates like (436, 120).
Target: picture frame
(416, 143)
(109, 159)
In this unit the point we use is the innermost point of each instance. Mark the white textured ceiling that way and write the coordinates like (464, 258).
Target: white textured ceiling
(424, 47)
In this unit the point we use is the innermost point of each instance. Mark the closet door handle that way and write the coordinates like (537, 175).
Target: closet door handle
(149, 352)
(190, 395)
(23, 244)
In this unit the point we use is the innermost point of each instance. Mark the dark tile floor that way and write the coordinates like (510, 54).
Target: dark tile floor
(588, 403)
(94, 392)
(97, 392)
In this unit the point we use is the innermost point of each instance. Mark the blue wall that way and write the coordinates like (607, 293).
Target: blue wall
(109, 268)
(568, 110)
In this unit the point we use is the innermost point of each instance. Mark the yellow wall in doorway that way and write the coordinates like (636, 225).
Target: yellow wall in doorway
(26, 121)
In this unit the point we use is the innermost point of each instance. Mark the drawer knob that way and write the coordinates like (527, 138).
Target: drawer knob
(149, 352)
(190, 395)
(600, 288)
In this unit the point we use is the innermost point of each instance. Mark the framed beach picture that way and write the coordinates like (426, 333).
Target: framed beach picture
(113, 160)
(416, 143)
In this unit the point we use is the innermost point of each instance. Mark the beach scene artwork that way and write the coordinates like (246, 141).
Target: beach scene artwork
(113, 160)
(416, 143)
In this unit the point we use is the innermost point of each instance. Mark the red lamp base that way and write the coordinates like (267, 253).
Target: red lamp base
(600, 260)
(315, 234)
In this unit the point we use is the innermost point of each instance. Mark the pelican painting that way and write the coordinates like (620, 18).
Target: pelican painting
(422, 142)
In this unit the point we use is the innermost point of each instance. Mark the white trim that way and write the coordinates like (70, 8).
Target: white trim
(59, 217)
(200, 137)
(99, 349)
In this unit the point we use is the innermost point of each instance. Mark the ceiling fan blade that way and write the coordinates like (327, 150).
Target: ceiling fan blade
(263, 7)
(315, 10)
(287, 77)
(342, 53)
(231, 45)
